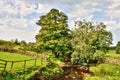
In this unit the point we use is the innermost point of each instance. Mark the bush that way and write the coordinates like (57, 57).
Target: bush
(51, 69)
(87, 58)
(9, 76)
(118, 48)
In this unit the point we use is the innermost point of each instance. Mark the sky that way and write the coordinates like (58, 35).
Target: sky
(18, 17)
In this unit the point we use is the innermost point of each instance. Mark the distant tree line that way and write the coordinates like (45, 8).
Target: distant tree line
(17, 45)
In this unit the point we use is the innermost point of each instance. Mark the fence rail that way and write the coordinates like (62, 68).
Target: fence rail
(3, 64)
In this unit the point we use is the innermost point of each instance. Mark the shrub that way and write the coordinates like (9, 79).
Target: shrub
(51, 69)
(118, 48)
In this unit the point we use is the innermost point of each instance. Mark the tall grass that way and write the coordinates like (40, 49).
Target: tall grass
(113, 54)
(105, 72)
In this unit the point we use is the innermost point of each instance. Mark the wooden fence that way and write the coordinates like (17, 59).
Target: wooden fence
(3, 64)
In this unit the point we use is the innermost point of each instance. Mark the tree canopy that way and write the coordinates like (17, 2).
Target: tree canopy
(86, 43)
(89, 40)
(54, 34)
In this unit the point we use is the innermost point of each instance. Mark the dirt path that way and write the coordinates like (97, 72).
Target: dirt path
(71, 72)
(76, 73)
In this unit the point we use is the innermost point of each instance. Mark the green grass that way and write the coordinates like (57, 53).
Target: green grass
(13, 56)
(105, 72)
(17, 57)
(101, 78)
(113, 54)
(18, 67)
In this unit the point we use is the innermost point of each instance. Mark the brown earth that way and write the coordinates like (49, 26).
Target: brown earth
(71, 72)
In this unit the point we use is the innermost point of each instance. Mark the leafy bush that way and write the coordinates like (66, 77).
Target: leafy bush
(89, 58)
(118, 48)
(8, 76)
(51, 69)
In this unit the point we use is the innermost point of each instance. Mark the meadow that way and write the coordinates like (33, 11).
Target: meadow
(20, 58)
(106, 71)
(17, 69)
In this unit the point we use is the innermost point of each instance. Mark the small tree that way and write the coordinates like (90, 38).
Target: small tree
(23, 45)
(90, 41)
(118, 48)
(16, 42)
(54, 34)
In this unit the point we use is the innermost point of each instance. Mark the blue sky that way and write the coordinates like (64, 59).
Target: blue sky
(18, 17)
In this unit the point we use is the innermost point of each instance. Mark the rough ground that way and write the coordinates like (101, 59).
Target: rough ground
(72, 72)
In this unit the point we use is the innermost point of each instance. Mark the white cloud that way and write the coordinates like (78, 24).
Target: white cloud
(112, 25)
(83, 9)
(14, 23)
(113, 12)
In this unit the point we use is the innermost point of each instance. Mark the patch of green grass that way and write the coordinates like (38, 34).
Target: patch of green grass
(18, 67)
(105, 72)
(18, 57)
(101, 78)
(13, 56)
(17, 47)
(113, 54)
(106, 69)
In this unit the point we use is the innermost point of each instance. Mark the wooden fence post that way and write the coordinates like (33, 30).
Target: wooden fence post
(5, 65)
(24, 65)
(35, 62)
(11, 66)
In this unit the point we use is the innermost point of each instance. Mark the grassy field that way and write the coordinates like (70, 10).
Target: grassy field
(18, 67)
(17, 57)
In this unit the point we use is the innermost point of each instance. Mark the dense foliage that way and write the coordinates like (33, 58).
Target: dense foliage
(90, 41)
(6, 44)
(54, 34)
(118, 48)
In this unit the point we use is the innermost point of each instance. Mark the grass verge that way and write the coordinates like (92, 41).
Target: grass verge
(104, 72)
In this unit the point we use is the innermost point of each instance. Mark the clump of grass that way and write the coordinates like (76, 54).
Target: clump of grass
(105, 72)
(101, 78)
(8, 76)
(106, 69)
(113, 54)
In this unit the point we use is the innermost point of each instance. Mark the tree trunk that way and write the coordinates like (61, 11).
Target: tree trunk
(56, 54)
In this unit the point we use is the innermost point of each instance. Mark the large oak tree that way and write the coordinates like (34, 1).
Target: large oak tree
(54, 34)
